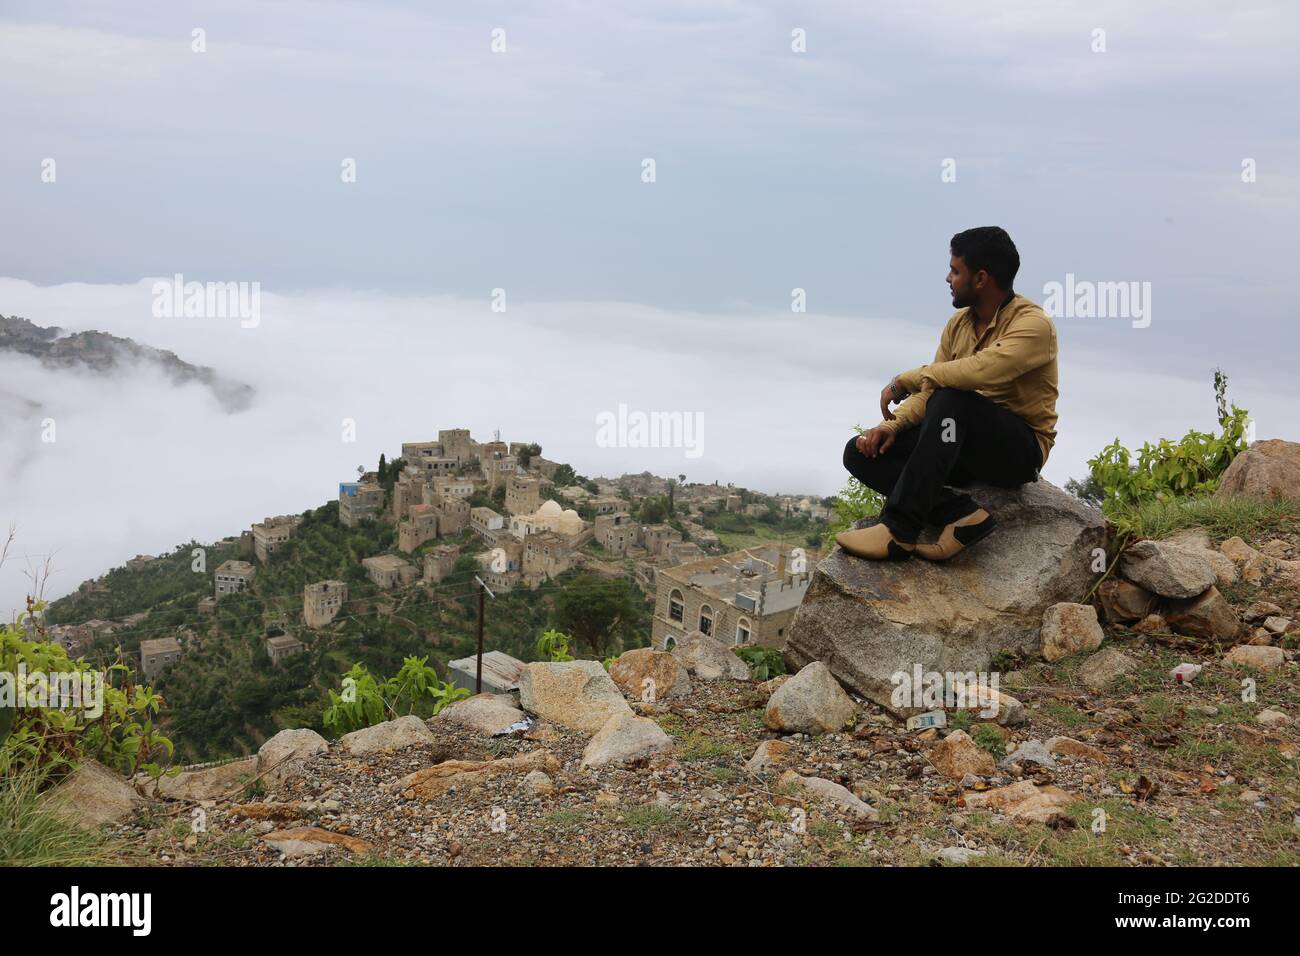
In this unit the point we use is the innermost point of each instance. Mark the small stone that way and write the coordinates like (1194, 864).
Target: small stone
(1107, 665)
(1069, 629)
(1272, 718)
(1259, 658)
(957, 755)
(1032, 751)
(1069, 747)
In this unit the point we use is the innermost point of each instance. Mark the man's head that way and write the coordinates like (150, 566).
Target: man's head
(984, 263)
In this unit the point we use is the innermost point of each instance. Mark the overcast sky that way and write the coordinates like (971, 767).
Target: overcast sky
(522, 170)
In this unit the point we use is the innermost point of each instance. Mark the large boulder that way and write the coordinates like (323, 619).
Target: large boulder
(91, 796)
(1208, 616)
(574, 694)
(810, 702)
(650, 675)
(868, 620)
(1166, 568)
(1267, 469)
(405, 731)
(221, 782)
(280, 759)
(625, 738)
(709, 659)
(486, 714)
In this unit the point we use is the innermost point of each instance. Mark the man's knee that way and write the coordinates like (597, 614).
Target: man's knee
(851, 453)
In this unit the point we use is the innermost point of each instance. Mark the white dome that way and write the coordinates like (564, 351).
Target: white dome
(551, 507)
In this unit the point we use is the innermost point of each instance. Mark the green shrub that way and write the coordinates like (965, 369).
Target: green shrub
(53, 739)
(764, 662)
(364, 701)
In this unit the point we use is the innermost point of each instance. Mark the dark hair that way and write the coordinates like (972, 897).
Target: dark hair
(991, 249)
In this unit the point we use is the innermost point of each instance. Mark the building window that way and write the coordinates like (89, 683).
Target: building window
(706, 619)
(676, 609)
(742, 631)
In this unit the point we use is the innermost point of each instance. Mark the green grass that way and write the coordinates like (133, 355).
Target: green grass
(32, 835)
(1247, 518)
(649, 817)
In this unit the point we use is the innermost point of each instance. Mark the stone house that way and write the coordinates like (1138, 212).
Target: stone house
(746, 597)
(232, 577)
(453, 514)
(158, 654)
(271, 533)
(617, 533)
(421, 526)
(281, 646)
(487, 524)
(659, 536)
(546, 556)
(607, 504)
(457, 444)
(523, 494)
(359, 501)
(322, 601)
(439, 562)
(388, 570)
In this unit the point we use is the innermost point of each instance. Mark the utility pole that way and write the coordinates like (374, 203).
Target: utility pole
(482, 594)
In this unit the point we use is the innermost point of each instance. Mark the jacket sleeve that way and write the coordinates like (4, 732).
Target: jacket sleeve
(912, 410)
(1028, 342)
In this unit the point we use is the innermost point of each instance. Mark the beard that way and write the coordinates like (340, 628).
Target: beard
(962, 301)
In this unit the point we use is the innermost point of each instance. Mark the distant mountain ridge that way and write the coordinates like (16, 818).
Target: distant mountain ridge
(104, 353)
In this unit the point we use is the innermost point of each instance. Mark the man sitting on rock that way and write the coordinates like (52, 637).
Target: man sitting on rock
(984, 410)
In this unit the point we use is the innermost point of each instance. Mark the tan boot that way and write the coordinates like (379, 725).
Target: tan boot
(875, 543)
(958, 536)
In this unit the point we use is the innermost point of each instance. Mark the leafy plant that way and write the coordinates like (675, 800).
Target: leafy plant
(364, 701)
(1190, 467)
(43, 732)
(987, 736)
(764, 662)
(553, 646)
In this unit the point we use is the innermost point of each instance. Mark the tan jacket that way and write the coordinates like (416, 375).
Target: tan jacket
(1013, 363)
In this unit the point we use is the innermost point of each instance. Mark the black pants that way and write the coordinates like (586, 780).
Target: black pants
(965, 438)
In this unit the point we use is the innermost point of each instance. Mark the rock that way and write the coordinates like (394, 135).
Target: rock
(1257, 568)
(708, 658)
(309, 841)
(1167, 569)
(607, 798)
(1123, 601)
(957, 755)
(958, 855)
(1272, 718)
(1069, 629)
(1277, 624)
(91, 796)
(1152, 624)
(485, 714)
(1006, 710)
(441, 777)
(770, 687)
(405, 731)
(868, 620)
(1238, 551)
(1208, 616)
(1260, 636)
(574, 694)
(1198, 542)
(1267, 469)
(830, 792)
(769, 755)
(1259, 658)
(1107, 665)
(646, 674)
(223, 781)
(810, 702)
(539, 783)
(1069, 747)
(1032, 751)
(280, 759)
(1261, 610)
(625, 738)
(1023, 802)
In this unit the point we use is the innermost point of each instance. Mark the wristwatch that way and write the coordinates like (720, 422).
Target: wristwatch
(896, 390)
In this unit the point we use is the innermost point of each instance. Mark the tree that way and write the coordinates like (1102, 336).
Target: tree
(592, 610)
(383, 468)
(652, 511)
(527, 453)
(564, 476)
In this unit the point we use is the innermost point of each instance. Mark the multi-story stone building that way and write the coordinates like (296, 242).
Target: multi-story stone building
(322, 601)
(388, 570)
(439, 562)
(659, 536)
(271, 533)
(523, 494)
(617, 533)
(546, 556)
(498, 471)
(232, 577)
(421, 526)
(607, 504)
(457, 444)
(280, 646)
(455, 487)
(359, 501)
(158, 654)
(453, 515)
(746, 597)
(487, 524)
(409, 489)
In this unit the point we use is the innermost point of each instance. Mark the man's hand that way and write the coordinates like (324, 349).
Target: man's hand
(876, 442)
(893, 392)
